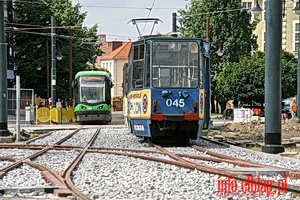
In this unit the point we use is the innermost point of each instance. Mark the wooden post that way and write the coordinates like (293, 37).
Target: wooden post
(207, 29)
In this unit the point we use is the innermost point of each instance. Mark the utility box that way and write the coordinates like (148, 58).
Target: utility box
(242, 115)
(29, 114)
(58, 104)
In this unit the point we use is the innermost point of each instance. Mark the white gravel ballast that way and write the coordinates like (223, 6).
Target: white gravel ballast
(106, 176)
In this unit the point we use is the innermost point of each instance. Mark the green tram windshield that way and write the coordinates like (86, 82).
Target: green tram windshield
(175, 64)
(92, 89)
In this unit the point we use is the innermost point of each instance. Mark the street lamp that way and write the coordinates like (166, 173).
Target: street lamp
(59, 56)
(53, 62)
(256, 10)
(39, 67)
(54, 57)
(297, 11)
(220, 51)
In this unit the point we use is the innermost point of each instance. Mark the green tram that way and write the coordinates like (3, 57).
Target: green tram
(92, 94)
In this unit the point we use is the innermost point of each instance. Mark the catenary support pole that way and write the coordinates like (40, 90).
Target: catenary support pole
(53, 63)
(47, 71)
(18, 97)
(174, 24)
(3, 75)
(70, 67)
(298, 80)
(273, 137)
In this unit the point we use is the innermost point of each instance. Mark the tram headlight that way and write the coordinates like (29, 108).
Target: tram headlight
(154, 106)
(165, 93)
(195, 106)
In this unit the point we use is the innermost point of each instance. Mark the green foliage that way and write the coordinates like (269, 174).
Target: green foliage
(33, 41)
(289, 75)
(230, 27)
(244, 80)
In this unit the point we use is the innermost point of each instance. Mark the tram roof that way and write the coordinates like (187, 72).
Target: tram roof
(168, 37)
(87, 73)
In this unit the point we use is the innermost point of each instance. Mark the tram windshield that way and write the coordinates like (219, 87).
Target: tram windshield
(175, 64)
(92, 91)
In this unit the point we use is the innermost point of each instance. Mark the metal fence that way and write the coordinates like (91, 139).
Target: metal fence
(26, 100)
(34, 114)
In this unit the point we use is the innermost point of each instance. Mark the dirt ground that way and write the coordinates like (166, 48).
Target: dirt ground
(255, 131)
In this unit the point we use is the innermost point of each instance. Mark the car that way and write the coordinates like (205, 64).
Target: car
(285, 106)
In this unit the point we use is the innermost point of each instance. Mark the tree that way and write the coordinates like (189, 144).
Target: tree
(32, 41)
(230, 28)
(244, 80)
(289, 75)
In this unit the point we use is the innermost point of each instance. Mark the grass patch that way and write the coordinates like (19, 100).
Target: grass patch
(216, 114)
(214, 128)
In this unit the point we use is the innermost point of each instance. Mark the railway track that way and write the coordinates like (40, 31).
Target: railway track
(91, 163)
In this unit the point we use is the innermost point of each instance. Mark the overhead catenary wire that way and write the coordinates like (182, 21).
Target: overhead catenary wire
(141, 8)
(49, 34)
(150, 9)
(215, 12)
(98, 6)
(39, 27)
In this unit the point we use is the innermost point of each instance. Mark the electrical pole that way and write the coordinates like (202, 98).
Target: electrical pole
(47, 71)
(70, 67)
(3, 75)
(53, 62)
(273, 75)
(207, 29)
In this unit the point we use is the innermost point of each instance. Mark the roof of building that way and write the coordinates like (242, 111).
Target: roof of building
(120, 53)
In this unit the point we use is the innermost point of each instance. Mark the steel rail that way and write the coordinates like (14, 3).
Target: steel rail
(167, 161)
(218, 160)
(67, 173)
(292, 173)
(236, 175)
(48, 174)
(177, 159)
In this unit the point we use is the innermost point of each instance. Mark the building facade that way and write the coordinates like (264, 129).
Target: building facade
(290, 25)
(116, 53)
(115, 56)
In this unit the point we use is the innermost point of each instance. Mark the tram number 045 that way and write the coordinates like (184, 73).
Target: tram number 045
(176, 103)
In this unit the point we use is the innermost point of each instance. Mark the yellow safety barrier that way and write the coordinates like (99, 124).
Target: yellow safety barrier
(54, 115)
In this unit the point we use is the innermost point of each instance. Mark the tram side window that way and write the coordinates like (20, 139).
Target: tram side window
(138, 74)
(147, 66)
(138, 66)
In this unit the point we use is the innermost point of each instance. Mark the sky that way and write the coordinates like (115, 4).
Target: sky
(112, 16)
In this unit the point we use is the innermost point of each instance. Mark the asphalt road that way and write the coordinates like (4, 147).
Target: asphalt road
(117, 118)
(218, 121)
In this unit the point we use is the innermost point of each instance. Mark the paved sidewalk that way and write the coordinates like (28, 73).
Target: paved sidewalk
(117, 121)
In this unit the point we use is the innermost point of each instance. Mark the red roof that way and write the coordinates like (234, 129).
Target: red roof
(120, 53)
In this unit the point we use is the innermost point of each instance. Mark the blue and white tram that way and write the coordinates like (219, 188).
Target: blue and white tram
(167, 88)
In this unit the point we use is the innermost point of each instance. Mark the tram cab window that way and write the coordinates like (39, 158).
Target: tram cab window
(92, 89)
(176, 64)
(138, 66)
